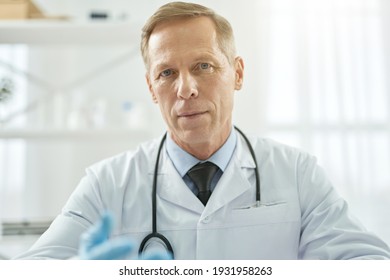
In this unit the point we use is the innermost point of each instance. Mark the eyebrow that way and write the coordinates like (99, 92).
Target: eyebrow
(162, 66)
(206, 57)
(202, 57)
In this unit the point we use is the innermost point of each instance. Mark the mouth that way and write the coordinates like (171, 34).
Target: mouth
(189, 115)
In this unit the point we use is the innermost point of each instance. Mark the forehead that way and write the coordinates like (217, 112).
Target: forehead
(183, 36)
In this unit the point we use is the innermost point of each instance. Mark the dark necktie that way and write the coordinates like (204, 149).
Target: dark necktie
(202, 174)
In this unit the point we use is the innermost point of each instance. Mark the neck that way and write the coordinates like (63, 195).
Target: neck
(204, 149)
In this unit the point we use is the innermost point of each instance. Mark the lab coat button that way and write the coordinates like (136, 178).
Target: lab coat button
(206, 219)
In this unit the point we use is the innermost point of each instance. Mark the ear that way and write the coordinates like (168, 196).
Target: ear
(239, 70)
(151, 91)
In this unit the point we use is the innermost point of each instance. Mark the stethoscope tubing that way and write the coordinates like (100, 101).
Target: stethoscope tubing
(258, 195)
(154, 233)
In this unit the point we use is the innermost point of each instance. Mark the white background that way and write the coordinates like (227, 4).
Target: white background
(316, 77)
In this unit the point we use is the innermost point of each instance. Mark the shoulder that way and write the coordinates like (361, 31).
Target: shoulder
(283, 160)
(269, 149)
(127, 161)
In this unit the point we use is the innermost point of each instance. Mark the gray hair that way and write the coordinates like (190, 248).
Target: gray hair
(176, 10)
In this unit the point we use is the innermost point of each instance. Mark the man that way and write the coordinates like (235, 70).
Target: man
(192, 72)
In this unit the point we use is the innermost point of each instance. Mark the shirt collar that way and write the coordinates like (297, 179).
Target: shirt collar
(183, 161)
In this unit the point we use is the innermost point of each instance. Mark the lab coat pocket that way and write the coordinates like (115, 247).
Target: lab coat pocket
(267, 213)
(270, 231)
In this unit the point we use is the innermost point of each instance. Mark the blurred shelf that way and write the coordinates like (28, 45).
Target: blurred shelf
(25, 228)
(68, 32)
(79, 134)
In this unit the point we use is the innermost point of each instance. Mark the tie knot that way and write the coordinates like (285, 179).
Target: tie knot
(202, 175)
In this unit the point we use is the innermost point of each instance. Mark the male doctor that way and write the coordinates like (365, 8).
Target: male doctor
(192, 72)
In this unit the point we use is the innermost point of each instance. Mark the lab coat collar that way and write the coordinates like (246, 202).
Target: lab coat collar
(232, 184)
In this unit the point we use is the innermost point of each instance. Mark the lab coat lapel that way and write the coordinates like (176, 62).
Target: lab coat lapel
(234, 181)
(172, 188)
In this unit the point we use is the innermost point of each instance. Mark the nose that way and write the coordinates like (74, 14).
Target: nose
(187, 86)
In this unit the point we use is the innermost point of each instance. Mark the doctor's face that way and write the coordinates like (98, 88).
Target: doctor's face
(193, 82)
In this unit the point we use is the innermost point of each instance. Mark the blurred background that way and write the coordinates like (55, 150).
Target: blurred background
(73, 92)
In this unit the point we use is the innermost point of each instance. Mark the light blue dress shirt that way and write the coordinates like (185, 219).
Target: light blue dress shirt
(184, 161)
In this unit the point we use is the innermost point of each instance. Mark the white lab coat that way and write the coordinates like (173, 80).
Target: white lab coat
(301, 215)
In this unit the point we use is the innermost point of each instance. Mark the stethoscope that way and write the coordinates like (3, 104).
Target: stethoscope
(161, 238)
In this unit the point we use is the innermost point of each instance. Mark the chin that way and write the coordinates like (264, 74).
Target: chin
(194, 135)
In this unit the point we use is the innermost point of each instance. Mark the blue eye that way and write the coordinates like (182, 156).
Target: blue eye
(166, 73)
(204, 66)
